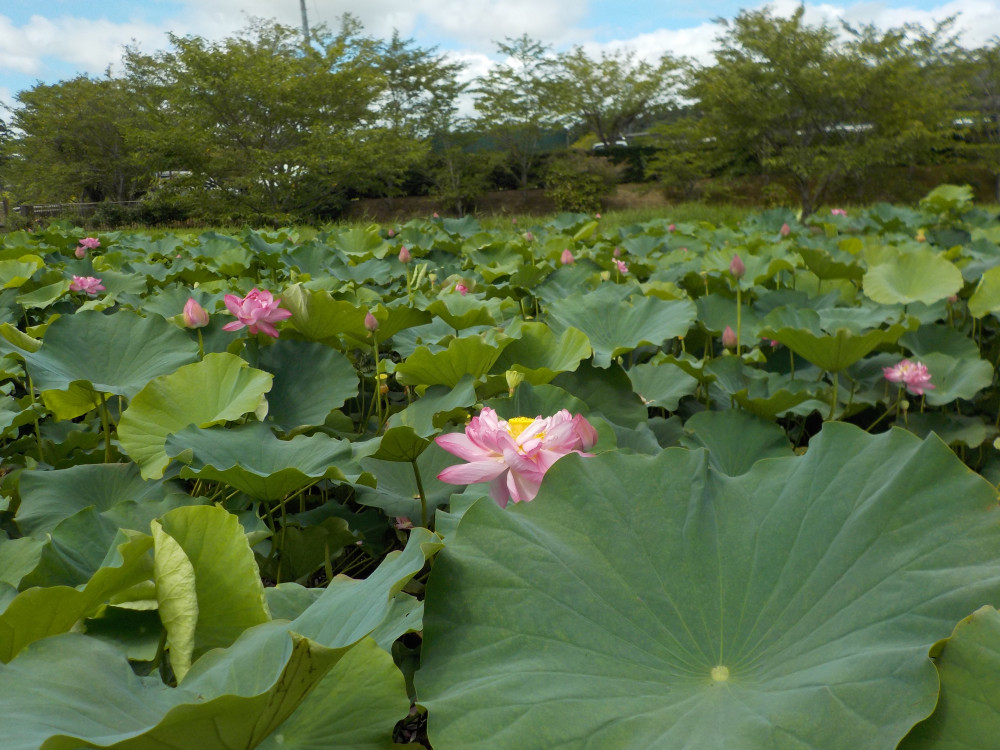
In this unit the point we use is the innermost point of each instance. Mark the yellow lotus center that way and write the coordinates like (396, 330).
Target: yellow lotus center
(517, 425)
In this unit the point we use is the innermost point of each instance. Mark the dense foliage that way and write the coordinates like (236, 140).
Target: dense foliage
(233, 501)
(265, 128)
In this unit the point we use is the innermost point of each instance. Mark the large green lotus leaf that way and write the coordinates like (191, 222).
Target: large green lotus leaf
(219, 388)
(18, 557)
(74, 550)
(117, 353)
(838, 350)
(202, 557)
(951, 428)
(536, 401)
(231, 699)
(986, 298)
(823, 263)
(310, 381)
(47, 497)
(460, 311)
(735, 439)
(790, 607)
(912, 277)
(318, 316)
(942, 339)
(348, 610)
(254, 460)
(14, 273)
(955, 378)
(615, 326)
(766, 394)
(439, 405)
(541, 355)
(607, 391)
(662, 384)
(41, 612)
(356, 705)
(401, 443)
(967, 716)
(471, 355)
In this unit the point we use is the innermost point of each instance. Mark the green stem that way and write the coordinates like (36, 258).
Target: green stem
(201, 346)
(38, 431)
(833, 399)
(420, 491)
(739, 316)
(106, 426)
(378, 384)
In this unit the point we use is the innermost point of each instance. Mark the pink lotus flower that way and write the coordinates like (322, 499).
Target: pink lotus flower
(838, 212)
(258, 311)
(514, 455)
(597, 216)
(567, 258)
(672, 228)
(736, 267)
(88, 284)
(371, 322)
(528, 236)
(437, 215)
(785, 230)
(729, 338)
(90, 243)
(195, 316)
(391, 232)
(404, 255)
(80, 252)
(913, 375)
(461, 288)
(617, 252)
(622, 268)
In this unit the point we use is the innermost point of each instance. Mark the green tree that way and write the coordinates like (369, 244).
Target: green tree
(611, 95)
(277, 126)
(72, 142)
(798, 100)
(982, 108)
(516, 103)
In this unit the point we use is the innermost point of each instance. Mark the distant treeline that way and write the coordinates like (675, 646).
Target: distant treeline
(268, 126)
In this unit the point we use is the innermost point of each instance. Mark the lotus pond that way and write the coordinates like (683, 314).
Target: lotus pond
(663, 486)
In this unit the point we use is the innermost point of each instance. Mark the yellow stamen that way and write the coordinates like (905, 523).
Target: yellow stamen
(517, 425)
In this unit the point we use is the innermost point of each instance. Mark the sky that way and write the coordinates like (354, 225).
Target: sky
(46, 41)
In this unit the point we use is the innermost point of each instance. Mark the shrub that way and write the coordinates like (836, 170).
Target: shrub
(577, 182)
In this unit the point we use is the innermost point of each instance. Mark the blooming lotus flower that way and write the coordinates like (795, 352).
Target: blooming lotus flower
(514, 455)
(838, 212)
(736, 267)
(567, 258)
(258, 311)
(785, 229)
(913, 375)
(90, 243)
(195, 316)
(91, 285)
(622, 268)
(461, 288)
(404, 255)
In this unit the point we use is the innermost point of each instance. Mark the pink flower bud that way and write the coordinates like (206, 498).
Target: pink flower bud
(80, 252)
(617, 252)
(461, 288)
(597, 216)
(567, 258)
(436, 215)
(404, 255)
(528, 236)
(736, 267)
(729, 338)
(195, 316)
(371, 324)
(672, 228)
(390, 232)
(785, 230)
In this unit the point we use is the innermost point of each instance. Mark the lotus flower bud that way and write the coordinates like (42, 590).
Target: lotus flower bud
(371, 324)
(617, 252)
(567, 258)
(672, 228)
(785, 229)
(390, 232)
(528, 236)
(736, 267)
(80, 252)
(404, 255)
(729, 338)
(195, 316)
(461, 288)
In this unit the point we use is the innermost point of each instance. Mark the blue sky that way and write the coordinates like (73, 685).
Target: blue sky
(51, 40)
